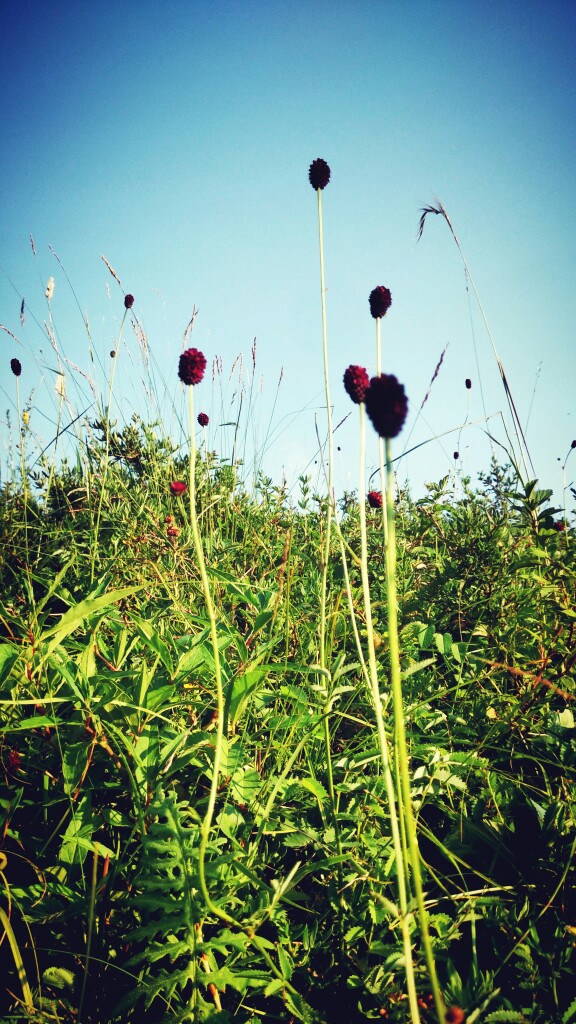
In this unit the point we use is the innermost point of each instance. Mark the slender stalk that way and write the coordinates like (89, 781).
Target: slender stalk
(23, 475)
(107, 453)
(400, 739)
(199, 552)
(326, 558)
(380, 439)
(383, 740)
(330, 482)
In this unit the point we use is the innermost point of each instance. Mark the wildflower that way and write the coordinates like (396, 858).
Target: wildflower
(380, 300)
(573, 445)
(16, 367)
(455, 1015)
(356, 383)
(319, 173)
(468, 383)
(173, 531)
(177, 487)
(203, 419)
(559, 525)
(386, 404)
(456, 456)
(191, 366)
(13, 760)
(375, 499)
(112, 353)
(128, 301)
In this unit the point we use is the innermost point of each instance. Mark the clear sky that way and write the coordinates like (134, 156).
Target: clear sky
(174, 137)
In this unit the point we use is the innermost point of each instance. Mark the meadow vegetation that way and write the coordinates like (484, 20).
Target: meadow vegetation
(216, 740)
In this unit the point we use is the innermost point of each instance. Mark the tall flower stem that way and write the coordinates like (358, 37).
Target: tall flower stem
(330, 482)
(106, 452)
(383, 740)
(325, 557)
(23, 474)
(401, 745)
(199, 552)
(206, 825)
(380, 439)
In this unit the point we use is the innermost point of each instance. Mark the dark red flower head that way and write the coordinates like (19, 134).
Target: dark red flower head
(13, 760)
(16, 367)
(573, 444)
(375, 499)
(559, 525)
(386, 404)
(191, 366)
(380, 301)
(319, 173)
(455, 1015)
(456, 456)
(177, 487)
(468, 383)
(356, 383)
(128, 301)
(203, 419)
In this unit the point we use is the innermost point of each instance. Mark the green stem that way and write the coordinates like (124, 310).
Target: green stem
(382, 739)
(107, 452)
(24, 479)
(326, 552)
(199, 552)
(400, 737)
(381, 440)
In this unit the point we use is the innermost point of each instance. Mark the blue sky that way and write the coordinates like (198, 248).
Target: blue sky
(175, 137)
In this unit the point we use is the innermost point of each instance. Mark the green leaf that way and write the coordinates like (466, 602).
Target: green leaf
(154, 641)
(8, 657)
(58, 977)
(75, 616)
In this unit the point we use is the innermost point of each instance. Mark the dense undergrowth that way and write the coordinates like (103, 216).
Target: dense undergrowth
(107, 744)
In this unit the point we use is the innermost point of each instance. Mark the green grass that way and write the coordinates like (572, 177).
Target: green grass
(107, 747)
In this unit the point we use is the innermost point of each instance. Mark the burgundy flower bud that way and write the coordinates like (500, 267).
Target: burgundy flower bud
(455, 1015)
(559, 525)
(112, 353)
(456, 456)
(319, 173)
(128, 301)
(380, 301)
(356, 383)
(468, 383)
(375, 499)
(16, 367)
(203, 419)
(191, 366)
(386, 404)
(573, 445)
(177, 487)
